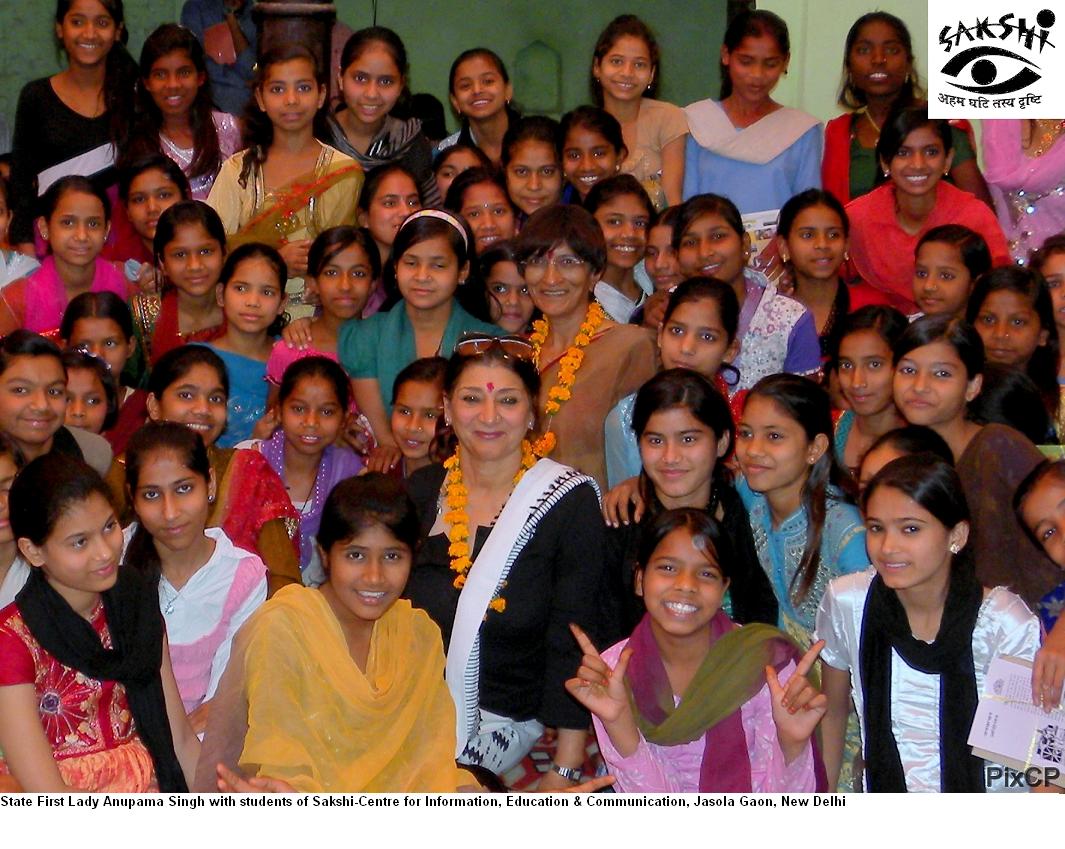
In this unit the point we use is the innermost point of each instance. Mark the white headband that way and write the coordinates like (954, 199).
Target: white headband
(443, 216)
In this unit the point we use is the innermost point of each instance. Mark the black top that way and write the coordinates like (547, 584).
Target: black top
(527, 651)
(48, 132)
(399, 141)
(749, 589)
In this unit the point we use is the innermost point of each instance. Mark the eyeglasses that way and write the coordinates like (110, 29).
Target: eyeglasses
(566, 265)
(476, 344)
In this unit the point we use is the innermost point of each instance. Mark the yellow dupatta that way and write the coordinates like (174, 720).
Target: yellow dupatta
(316, 721)
(322, 198)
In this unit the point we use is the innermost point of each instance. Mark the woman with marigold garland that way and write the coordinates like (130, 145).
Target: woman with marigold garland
(587, 363)
(511, 554)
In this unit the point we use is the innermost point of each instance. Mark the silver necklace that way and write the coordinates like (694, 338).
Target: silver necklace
(170, 600)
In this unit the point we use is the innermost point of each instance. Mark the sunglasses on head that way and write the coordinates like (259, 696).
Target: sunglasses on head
(475, 344)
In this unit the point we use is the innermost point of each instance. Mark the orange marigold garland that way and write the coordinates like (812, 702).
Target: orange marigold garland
(456, 497)
(571, 361)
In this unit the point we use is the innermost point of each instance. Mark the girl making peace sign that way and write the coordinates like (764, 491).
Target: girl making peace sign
(691, 702)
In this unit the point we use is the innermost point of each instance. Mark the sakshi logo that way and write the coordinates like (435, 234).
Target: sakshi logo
(992, 61)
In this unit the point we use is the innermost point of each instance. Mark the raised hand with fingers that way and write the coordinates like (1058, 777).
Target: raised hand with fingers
(654, 309)
(602, 690)
(264, 428)
(598, 687)
(797, 707)
(295, 256)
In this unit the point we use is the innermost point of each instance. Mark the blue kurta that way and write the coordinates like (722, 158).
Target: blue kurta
(755, 187)
(780, 551)
(248, 391)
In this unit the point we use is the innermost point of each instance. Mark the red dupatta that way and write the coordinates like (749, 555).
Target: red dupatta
(167, 332)
(250, 494)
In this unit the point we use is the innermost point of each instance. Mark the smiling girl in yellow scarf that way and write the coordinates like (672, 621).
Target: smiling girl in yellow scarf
(340, 689)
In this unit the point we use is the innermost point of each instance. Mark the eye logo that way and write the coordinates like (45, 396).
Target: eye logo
(984, 71)
(995, 59)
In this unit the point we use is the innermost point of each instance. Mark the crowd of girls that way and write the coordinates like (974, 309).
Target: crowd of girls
(514, 451)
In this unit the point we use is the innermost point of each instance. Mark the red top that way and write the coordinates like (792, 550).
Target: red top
(861, 294)
(252, 494)
(836, 162)
(167, 335)
(882, 253)
(132, 414)
(80, 716)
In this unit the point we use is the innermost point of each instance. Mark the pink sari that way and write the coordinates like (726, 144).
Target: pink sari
(1029, 193)
(38, 302)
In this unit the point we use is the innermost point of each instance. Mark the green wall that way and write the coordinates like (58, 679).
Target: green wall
(688, 32)
(435, 32)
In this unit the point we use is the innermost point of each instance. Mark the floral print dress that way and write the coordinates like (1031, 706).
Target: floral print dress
(87, 722)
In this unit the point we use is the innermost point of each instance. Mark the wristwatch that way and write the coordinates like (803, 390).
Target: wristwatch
(567, 772)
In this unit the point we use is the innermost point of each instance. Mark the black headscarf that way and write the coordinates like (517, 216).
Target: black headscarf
(136, 627)
(885, 626)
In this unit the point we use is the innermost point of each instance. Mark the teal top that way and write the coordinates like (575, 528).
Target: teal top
(844, 425)
(248, 392)
(381, 346)
(780, 550)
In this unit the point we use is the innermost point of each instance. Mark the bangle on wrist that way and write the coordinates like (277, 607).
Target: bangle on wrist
(567, 772)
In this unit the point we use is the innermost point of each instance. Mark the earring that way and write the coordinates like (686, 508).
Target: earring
(846, 256)
(887, 173)
(954, 548)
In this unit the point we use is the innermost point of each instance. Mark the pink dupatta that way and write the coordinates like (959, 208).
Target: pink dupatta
(46, 296)
(1029, 193)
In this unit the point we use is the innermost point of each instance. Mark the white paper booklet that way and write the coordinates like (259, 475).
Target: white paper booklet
(1008, 729)
(761, 227)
